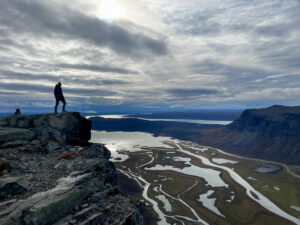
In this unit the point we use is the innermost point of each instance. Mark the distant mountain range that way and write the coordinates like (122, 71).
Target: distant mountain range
(271, 133)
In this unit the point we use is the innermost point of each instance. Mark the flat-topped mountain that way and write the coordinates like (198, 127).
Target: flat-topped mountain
(271, 133)
(51, 174)
(272, 121)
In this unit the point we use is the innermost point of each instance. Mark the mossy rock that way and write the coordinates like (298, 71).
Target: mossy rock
(9, 134)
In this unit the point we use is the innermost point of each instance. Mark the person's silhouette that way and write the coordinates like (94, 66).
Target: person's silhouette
(59, 97)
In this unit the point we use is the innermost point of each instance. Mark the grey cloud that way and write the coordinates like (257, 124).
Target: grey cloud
(238, 78)
(283, 27)
(88, 81)
(37, 18)
(33, 88)
(278, 30)
(213, 67)
(282, 54)
(185, 92)
(243, 17)
(194, 23)
(12, 75)
(29, 88)
(287, 59)
(272, 30)
(89, 92)
(95, 68)
(114, 82)
(103, 101)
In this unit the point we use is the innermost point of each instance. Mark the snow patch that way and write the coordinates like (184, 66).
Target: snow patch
(209, 202)
(276, 188)
(222, 161)
(167, 205)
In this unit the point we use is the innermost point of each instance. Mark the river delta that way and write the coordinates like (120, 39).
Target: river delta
(186, 183)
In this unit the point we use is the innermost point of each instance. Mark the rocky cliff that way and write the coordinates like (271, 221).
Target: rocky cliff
(68, 128)
(50, 174)
(271, 133)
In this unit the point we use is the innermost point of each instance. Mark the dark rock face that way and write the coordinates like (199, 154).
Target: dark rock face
(11, 186)
(50, 174)
(270, 122)
(68, 127)
(271, 133)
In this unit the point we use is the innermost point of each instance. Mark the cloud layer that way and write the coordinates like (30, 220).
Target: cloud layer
(159, 55)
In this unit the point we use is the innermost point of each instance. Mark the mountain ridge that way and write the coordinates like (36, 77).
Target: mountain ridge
(271, 133)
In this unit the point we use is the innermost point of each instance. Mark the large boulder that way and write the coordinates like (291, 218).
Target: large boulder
(68, 127)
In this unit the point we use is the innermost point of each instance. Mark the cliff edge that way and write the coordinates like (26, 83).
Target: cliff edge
(51, 174)
(68, 128)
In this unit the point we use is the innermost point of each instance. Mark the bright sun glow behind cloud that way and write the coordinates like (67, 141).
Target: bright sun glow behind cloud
(110, 10)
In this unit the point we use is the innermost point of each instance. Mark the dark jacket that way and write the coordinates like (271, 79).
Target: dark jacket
(58, 92)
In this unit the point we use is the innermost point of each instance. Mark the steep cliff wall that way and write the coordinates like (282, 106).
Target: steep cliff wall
(50, 174)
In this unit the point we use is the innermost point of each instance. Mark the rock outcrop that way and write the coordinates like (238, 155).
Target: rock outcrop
(50, 174)
(271, 133)
(68, 128)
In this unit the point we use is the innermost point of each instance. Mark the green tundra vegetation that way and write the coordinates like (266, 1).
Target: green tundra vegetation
(280, 187)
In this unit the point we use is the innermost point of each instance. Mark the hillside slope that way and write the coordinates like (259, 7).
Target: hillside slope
(271, 133)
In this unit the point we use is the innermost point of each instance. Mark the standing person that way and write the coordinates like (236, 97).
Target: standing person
(59, 97)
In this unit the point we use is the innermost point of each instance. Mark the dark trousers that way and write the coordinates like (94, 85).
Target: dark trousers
(57, 102)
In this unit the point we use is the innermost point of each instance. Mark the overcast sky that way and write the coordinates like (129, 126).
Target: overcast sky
(122, 55)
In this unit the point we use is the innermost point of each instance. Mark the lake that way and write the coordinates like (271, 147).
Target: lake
(219, 122)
